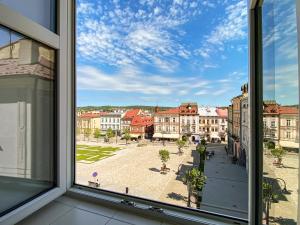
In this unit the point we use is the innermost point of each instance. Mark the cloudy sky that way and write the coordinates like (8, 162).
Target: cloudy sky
(280, 58)
(160, 52)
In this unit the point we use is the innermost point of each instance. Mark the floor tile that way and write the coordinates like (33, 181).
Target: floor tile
(81, 217)
(47, 214)
(135, 219)
(117, 222)
(87, 206)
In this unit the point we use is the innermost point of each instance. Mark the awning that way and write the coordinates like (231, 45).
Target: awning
(215, 136)
(289, 144)
(135, 135)
(171, 136)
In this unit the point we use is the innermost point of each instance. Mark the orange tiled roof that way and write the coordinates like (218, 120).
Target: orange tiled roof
(169, 111)
(142, 121)
(271, 109)
(288, 110)
(222, 112)
(131, 113)
(90, 115)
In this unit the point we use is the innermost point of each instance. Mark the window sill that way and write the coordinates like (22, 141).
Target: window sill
(141, 209)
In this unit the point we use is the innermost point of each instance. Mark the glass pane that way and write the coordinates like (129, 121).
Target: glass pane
(27, 162)
(40, 11)
(281, 113)
(155, 83)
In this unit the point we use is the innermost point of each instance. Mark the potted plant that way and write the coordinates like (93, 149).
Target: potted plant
(195, 181)
(180, 144)
(164, 157)
(278, 153)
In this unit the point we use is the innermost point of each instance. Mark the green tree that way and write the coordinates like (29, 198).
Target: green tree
(203, 142)
(164, 155)
(195, 181)
(270, 145)
(110, 134)
(127, 136)
(201, 149)
(268, 196)
(87, 133)
(97, 133)
(278, 153)
(180, 144)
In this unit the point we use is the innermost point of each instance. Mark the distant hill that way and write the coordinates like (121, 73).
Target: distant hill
(109, 108)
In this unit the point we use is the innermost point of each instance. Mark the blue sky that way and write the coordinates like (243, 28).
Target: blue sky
(280, 58)
(161, 52)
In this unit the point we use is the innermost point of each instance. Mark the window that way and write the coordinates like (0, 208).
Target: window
(272, 123)
(146, 56)
(42, 12)
(280, 92)
(28, 125)
(174, 120)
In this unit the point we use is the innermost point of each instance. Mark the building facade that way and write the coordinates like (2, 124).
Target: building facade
(128, 117)
(189, 120)
(222, 122)
(166, 124)
(243, 156)
(111, 120)
(141, 127)
(271, 122)
(289, 127)
(209, 124)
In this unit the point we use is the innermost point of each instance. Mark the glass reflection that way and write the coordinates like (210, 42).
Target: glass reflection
(281, 113)
(27, 118)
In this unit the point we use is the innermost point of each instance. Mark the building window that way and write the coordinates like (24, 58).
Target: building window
(288, 123)
(272, 123)
(174, 120)
(288, 135)
(166, 119)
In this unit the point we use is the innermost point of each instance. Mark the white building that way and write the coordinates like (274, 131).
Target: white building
(111, 120)
(209, 123)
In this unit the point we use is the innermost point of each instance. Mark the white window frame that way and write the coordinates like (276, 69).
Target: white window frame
(29, 28)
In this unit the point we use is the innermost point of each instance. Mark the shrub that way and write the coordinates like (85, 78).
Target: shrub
(270, 145)
(164, 155)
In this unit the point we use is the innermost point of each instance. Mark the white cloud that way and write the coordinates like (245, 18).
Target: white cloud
(133, 36)
(232, 27)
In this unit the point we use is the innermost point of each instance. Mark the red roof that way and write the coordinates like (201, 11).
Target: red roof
(188, 109)
(169, 111)
(288, 110)
(90, 115)
(131, 113)
(222, 112)
(271, 109)
(142, 121)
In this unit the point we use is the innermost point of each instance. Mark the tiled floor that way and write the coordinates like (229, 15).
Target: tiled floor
(69, 211)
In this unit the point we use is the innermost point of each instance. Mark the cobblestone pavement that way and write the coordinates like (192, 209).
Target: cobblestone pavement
(285, 211)
(137, 168)
(226, 188)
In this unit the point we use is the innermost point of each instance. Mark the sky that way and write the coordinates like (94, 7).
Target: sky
(280, 58)
(160, 52)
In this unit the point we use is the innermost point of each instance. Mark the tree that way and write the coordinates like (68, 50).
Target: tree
(203, 142)
(97, 133)
(180, 145)
(270, 145)
(201, 149)
(164, 157)
(87, 132)
(127, 135)
(278, 153)
(268, 196)
(110, 133)
(195, 180)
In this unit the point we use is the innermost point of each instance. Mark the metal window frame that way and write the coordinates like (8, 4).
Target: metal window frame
(19, 23)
